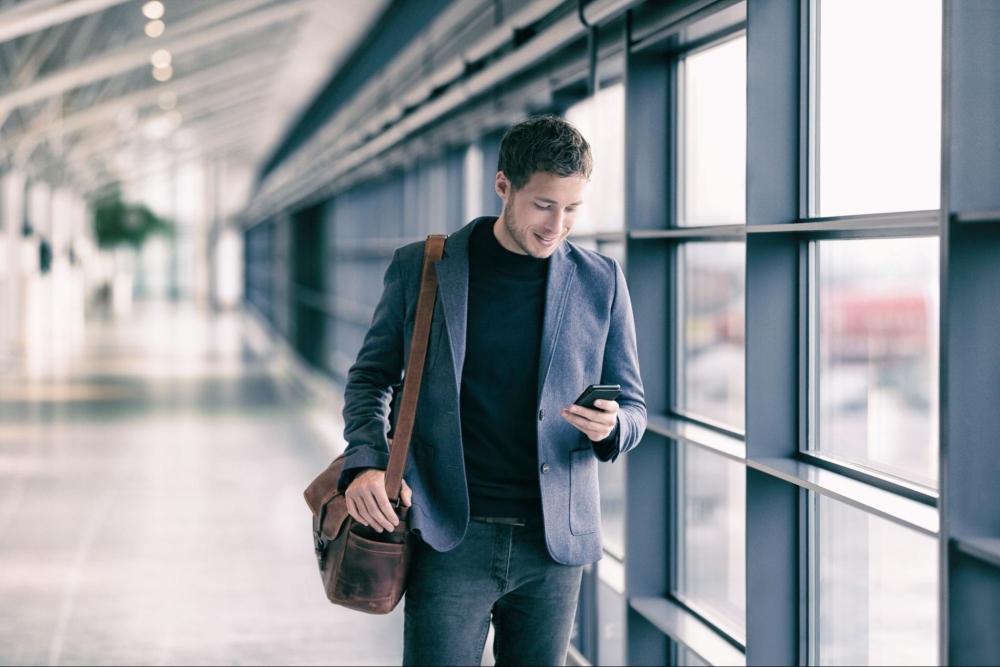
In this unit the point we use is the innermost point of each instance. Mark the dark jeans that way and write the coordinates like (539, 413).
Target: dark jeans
(501, 571)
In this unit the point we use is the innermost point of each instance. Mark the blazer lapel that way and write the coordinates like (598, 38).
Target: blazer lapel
(562, 272)
(453, 289)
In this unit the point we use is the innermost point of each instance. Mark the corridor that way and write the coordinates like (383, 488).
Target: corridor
(151, 505)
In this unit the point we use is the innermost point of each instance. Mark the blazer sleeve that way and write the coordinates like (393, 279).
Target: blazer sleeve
(368, 393)
(621, 366)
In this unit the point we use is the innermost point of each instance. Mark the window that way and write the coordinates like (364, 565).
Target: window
(601, 119)
(612, 613)
(708, 342)
(711, 567)
(876, 357)
(612, 481)
(877, 106)
(713, 135)
(710, 355)
(688, 658)
(877, 596)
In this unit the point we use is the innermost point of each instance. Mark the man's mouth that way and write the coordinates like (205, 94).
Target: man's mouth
(547, 241)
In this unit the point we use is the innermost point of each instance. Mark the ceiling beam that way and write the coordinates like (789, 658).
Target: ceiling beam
(219, 79)
(137, 54)
(32, 17)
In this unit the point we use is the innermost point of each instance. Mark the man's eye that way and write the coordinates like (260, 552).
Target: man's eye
(543, 208)
(571, 210)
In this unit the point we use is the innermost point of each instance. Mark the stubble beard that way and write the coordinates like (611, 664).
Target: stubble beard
(519, 235)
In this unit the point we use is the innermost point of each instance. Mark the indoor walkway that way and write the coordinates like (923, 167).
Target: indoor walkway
(151, 506)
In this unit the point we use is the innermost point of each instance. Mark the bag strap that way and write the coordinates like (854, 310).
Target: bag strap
(433, 251)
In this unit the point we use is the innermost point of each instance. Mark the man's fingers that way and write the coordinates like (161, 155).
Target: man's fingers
(406, 494)
(595, 416)
(592, 430)
(353, 510)
(387, 511)
(372, 504)
(366, 517)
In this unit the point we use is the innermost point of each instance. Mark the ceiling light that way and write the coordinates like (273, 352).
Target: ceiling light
(161, 59)
(167, 100)
(155, 28)
(163, 73)
(153, 10)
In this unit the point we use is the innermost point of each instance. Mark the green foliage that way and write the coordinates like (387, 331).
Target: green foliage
(119, 223)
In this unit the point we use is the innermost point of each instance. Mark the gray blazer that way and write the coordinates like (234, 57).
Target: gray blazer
(588, 337)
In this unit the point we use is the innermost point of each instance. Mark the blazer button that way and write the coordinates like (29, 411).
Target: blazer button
(545, 468)
(541, 415)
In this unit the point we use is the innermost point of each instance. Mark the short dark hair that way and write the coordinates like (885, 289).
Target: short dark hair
(549, 144)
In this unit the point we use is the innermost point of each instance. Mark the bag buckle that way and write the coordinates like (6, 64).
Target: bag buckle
(319, 544)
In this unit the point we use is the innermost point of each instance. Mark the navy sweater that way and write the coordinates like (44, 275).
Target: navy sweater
(499, 396)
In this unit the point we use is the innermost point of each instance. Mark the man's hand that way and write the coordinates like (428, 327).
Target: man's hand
(595, 424)
(368, 502)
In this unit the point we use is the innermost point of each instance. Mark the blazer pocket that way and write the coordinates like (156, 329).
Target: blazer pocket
(437, 331)
(584, 493)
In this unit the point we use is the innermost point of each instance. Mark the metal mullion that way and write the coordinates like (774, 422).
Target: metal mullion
(810, 563)
(676, 303)
(915, 223)
(731, 634)
(680, 21)
(686, 628)
(735, 451)
(809, 70)
(873, 477)
(977, 217)
(708, 422)
(899, 509)
(720, 37)
(706, 233)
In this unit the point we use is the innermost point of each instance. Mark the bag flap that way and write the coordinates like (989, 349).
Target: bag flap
(324, 487)
(335, 518)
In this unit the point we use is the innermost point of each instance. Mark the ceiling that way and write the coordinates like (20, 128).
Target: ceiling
(81, 105)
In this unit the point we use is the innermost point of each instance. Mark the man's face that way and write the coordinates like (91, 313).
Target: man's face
(537, 218)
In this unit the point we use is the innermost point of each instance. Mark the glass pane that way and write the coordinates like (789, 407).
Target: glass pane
(712, 343)
(878, 589)
(712, 530)
(601, 120)
(612, 480)
(688, 658)
(878, 354)
(878, 115)
(611, 612)
(714, 135)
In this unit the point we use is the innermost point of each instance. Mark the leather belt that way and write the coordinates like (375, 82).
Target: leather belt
(500, 519)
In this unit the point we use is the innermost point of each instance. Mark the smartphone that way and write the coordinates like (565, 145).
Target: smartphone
(597, 392)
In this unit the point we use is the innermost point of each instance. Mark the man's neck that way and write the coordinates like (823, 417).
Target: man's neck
(504, 237)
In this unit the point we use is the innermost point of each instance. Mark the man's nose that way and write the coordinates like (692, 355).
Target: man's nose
(556, 223)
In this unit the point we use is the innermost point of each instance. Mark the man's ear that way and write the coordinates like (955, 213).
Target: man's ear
(502, 185)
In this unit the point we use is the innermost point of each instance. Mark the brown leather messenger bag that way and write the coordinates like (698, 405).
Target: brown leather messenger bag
(362, 569)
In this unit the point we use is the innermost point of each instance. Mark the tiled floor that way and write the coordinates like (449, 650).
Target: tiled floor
(151, 508)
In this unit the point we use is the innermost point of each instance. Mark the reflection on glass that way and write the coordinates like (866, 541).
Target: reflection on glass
(712, 530)
(878, 119)
(877, 590)
(711, 352)
(877, 354)
(714, 135)
(601, 120)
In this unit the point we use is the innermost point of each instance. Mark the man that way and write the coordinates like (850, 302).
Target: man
(502, 475)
